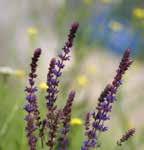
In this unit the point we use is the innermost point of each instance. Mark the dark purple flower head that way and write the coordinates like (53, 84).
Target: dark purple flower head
(74, 27)
(126, 136)
(37, 52)
(64, 56)
(71, 37)
(124, 65)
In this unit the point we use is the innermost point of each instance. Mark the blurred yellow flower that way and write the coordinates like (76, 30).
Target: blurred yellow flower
(20, 73)
(138, 13)
(106, 1)
(76, 121)
(82, 80)
(32, 31)
(88, 2)
(115, 26)
(43, 86)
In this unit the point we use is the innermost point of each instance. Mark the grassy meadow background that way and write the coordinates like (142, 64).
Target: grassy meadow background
(107, 28)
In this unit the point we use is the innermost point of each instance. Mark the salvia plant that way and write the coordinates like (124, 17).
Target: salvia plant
(53, 130)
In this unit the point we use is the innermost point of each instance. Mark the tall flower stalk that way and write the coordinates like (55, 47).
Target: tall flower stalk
(32, 118)
(54, 72)
(56, 66)
(105, 101)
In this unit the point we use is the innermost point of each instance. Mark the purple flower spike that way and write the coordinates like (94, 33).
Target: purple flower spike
(126, 136)
(55, 71)
(32, 118)
(51, 82)
(56, 66)
(105, 101)
(63, 140)
(66, 49)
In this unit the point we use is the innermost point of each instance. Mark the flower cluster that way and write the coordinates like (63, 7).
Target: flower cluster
(52, 121)
(54, 128)
(55, 71)
(105, 101)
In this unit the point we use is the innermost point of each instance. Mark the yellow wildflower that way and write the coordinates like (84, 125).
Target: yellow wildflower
(20, 73)
(115, 26)
(76, 121)
(138, 13)
(82, 80)
(43, 86)
(32, 31)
